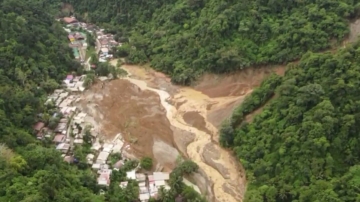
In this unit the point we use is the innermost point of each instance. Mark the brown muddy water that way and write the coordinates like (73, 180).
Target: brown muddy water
(162, 120)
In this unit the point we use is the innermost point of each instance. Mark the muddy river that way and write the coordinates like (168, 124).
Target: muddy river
(217, 164)
(163, 121)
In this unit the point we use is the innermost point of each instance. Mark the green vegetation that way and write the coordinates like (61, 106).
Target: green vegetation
(146, 163)
(186, 38)
(34, 58)
(255, 100)
(177, 187)
(304, 145)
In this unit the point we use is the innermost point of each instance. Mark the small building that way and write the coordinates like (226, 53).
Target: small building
(102, 158)
(71, 38)
(144, 197)
(38, 126)
(104, 178)
(69, 77)
(68, 159)
(78, 141)
(61, 128)
(90, 158)
(131, 175)
(123, 185)
(69, 20)
(63, 147)
(140, 177)
(105, 50)
(118, 164)
(96, 166)
(59, 138)
(96, 146)
(161, 176)
(41, 134)
(79, 36)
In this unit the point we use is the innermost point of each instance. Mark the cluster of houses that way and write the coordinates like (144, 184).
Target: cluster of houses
(74, 83)
(77, 39)
(105, 42)
(100, 164)
(149, 185)
(69, 129)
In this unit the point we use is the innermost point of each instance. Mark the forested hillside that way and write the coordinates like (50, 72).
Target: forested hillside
(34, 57)
(304, 146)
(186, 38)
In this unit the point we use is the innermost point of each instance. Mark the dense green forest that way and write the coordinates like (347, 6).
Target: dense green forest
(184, 38)
(304, 145)
(34, 58)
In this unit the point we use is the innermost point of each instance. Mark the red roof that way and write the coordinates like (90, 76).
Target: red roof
(69, 77)
(104, 42)
(69, 20)
(59, 138)
(38, 126)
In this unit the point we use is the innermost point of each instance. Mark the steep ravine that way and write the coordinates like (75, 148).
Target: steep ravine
(216, 163)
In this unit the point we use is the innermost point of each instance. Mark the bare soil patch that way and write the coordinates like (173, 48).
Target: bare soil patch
(237, 83)
(137, 114)
(354, 31)
(196, 120)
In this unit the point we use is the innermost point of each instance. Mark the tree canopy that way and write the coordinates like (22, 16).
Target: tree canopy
(186, 38)
(34, 57)
(304, 145)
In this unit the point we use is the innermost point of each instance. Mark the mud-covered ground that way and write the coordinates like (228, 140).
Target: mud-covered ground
(121, 107)
(185, 123)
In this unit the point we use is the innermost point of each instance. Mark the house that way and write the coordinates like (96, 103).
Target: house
(63, 120)
(96, 166)
(104, 43)
(131, 175)
(90, 158)
(159, 176)
(63, 147)
(123, 185)
(104, 178)
(79, 36)
(68, 159)
(101, 159)
(71, 38)
(41, 134)
(118, 164)
(96, 146)
(38, 126)
(61, 128)
(59, 138)
(108, 147)
(69, 20)
(140, 177)
(144, 197)
(105, 50)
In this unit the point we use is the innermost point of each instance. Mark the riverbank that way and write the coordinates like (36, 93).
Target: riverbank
(162, 120)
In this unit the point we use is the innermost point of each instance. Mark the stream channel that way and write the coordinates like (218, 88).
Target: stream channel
(219, 178)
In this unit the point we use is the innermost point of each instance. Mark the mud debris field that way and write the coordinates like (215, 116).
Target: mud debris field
(163, 121)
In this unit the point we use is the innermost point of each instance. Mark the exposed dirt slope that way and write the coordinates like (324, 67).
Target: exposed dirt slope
(123, 107)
